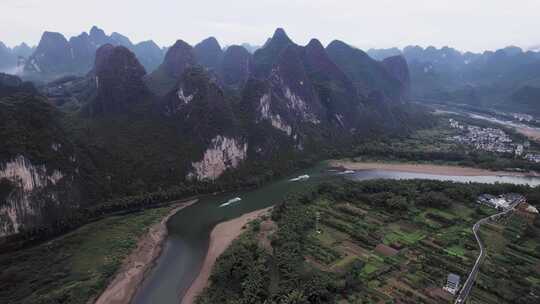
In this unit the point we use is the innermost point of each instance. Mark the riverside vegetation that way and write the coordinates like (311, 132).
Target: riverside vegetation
(76, 267)
(374, 242)
(432, 145)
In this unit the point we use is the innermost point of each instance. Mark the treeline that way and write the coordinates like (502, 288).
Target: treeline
(77, 216)
(477, 159)
(424, 193)
(248, 176)
(415, 150)
(248, 274)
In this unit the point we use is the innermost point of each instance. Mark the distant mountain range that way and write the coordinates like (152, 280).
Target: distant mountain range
(508, 78)
(11, 58)
(55, 56)
(204, 119)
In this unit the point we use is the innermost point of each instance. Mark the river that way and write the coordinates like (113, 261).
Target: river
(189, 230)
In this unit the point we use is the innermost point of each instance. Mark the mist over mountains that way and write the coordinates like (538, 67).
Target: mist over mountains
(505, 78)
(120, 119)
(107, 118)
(508, 78)
(56, 56)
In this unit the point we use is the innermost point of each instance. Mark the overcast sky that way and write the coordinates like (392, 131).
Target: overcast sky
(465, 24)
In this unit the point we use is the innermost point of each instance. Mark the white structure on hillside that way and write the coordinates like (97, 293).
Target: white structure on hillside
(452, 283)
(501, 202)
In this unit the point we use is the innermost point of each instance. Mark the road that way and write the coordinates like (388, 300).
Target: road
(469, 283)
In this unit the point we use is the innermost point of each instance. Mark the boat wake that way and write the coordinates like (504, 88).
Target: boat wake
(231, 201)
(299, 178)
(346, 172)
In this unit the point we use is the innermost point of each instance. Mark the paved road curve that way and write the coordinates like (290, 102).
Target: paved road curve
(469, 283)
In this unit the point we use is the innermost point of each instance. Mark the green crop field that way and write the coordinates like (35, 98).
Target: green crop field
(375, 242)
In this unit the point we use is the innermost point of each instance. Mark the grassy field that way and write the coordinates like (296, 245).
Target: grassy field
(75, 267)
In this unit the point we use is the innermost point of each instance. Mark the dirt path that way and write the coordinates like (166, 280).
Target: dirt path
(221, 237)
(421, 168)
(122, 288)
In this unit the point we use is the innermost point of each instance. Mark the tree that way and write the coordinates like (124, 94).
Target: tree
(434, 200)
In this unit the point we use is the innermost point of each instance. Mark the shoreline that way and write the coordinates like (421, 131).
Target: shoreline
(221, 238)
(139, 262)
(423, 168)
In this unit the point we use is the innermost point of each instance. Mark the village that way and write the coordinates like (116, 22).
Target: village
(491, 140)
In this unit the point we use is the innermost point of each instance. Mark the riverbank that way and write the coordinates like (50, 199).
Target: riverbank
(221, 238)
(423, 168)
(134, 268)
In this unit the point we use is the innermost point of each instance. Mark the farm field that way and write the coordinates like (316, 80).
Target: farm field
(375, 242)
(511, 271)
(403, 254)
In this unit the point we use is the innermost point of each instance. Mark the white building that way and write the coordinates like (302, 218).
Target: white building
(452, 283)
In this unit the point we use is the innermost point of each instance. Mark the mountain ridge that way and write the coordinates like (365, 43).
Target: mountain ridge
(203, 128)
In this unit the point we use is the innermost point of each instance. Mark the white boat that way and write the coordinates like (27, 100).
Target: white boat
(300, 178)
(231, 201)
(347, 172)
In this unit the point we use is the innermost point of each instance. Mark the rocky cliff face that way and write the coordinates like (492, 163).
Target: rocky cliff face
(30, 190)
(118, 79)
(222, 154)
(276, 120)
(38, 165)
(290, 84)
(206, 120)
(236, 67)
(53, 55)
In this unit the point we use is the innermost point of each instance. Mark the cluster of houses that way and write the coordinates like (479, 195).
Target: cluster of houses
(522, 117)
(510, 200)
(491, 140)
(501, 202)
(533, 157)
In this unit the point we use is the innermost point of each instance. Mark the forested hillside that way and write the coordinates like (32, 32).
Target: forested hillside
(203, 121)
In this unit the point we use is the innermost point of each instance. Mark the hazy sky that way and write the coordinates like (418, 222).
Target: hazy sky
(465, 24)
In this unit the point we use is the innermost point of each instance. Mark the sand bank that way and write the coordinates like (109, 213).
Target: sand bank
(123, 287)
(421, 168)
(220, 238)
